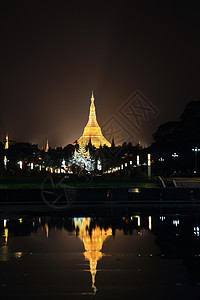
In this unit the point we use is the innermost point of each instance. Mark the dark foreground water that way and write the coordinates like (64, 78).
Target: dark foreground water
(135, 257)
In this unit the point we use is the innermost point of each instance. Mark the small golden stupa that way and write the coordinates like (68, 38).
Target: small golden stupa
(92, 130)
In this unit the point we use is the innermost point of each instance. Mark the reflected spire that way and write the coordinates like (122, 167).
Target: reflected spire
(93, 243)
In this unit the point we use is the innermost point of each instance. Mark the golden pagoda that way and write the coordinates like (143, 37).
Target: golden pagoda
(92, 130)
(93, 243)
(6, 142)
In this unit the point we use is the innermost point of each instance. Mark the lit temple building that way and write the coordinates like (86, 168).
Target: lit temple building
(92, 130)
(93, 243)
(82, 159)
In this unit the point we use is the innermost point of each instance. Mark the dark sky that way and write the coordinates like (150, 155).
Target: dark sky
(54, 54)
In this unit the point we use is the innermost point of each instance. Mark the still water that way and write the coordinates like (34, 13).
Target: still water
(135, 257)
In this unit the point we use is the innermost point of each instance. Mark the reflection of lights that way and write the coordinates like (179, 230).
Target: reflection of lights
(126, 164)
(162, 218)
(4, 222)
(93, 243)
(40, 167)
(161, 159)
(122, 167)
(176, 222)
(196, 231)
(47, 230)
(138, 160)
(150, 223)
(135, 190)
(31, 166)
(20, 220)
(20, 164)
(33, 223)
(5, 160)
(6, 235)
(138, 219)
(131, 162)
(18, 254)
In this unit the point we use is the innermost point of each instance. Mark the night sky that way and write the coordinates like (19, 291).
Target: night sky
(53, 55)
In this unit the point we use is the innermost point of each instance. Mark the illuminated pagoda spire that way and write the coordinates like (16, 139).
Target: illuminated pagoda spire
(92, 131)
(6, 142)
(47, 146)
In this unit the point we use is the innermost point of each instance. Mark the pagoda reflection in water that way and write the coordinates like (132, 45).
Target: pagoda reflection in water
(93, 242)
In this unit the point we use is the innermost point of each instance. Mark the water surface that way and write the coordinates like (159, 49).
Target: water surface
(131, 257)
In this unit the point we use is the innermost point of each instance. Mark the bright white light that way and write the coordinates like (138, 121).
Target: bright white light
(175, 155)
(176, 222)
(149, 160)
(99, 166)
(138, 160)
(4, 223)
(126, 164)
(31, 166)
(131, 162)
(122, 167)
(196, 231)
(162, 218)
(150, 223)
(196, 149)
(5, 160)
(63, 164)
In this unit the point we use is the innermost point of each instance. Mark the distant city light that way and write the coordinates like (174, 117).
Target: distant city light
(195, 150)
(176, 222)
(150, 223)
(149, 160)
(196, 231)
(5, 160)
(161, 159)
